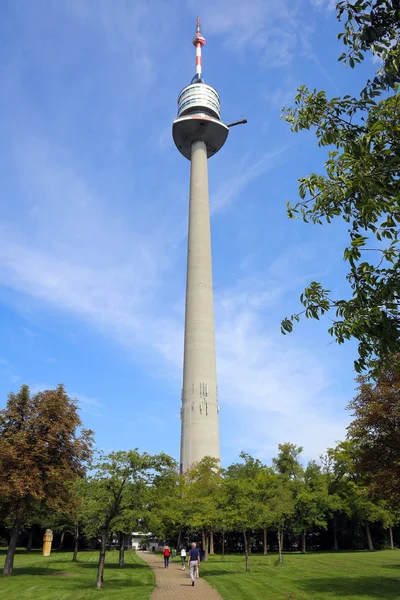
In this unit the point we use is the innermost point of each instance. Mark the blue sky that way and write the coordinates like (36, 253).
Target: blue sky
(93, 217)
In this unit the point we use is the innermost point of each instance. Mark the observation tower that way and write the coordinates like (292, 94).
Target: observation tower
(199, 133)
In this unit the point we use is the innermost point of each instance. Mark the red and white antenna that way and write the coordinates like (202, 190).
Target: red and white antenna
(198, 42)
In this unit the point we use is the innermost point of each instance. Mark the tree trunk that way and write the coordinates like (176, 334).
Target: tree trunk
(61, 541)
(246, 550)
(109, 545)
(303, 542)
(121, 550)
(178, 543)
(265, 542)
(9, 562)
(206, 549)
(102, 560)
(212, 543)
(76, 545)
(280, 536)
(369, 538)
(335, 540)
(249, 543)
(29, 544)
(282, 541)
(203, 544)
(391, 545)
(223, 545)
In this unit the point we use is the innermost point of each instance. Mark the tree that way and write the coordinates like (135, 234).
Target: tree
(312, 503)
(375, 433)
(202, 499)
(281, 502)
(307, 489)
(116, 495)
(288, 466)
(361, 185)
(243, 497)
(275, 495)
(40, 454)
(264, 483)
(355, 496)
(167, 511)
(335, 468)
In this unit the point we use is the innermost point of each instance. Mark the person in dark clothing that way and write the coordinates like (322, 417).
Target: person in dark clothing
(194, 562)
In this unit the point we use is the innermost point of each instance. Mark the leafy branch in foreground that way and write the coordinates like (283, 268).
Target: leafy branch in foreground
(361, 185)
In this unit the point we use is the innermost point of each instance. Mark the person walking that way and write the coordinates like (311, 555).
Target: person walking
(167, 554)
(194, 562)
(183, 557)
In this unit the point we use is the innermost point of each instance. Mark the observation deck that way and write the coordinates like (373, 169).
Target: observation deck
(199, 119)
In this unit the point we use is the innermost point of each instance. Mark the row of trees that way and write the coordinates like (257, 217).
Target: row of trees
(130, 491)
(48, 477)
(286, 497)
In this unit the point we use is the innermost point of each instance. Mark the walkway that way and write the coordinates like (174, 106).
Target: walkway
(173, 583)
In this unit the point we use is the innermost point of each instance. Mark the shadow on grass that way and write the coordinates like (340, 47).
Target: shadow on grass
(216, 572)
(363, 586)
(62, 567)
(112, 566)
(73, 580)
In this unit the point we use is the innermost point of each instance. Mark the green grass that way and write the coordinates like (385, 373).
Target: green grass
(314, 576)
(58, 578)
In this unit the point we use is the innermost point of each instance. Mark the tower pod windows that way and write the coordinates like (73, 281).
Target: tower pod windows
(199, 97)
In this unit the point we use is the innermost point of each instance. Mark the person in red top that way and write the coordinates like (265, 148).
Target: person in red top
(167, 554)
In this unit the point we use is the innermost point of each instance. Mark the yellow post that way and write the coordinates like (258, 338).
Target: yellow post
(47, 541)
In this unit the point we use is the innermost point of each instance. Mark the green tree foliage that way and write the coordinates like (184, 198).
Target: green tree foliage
(312, 503)
(116, 495)
(276, 499)
(361, 185)
(41, 454)
(307, 492)
(202, 502)
(242, 497)
(287, 463)
(265, 483)
(375, 433)
(352, 489)
(165, 514)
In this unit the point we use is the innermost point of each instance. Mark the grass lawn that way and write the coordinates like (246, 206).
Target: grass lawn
(58, 578)
(314, 576)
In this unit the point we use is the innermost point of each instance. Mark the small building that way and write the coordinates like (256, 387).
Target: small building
(145, 541)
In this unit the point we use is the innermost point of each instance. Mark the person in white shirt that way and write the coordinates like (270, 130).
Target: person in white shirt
(183, 557)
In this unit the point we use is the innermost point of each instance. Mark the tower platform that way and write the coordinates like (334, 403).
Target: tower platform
(199, 127)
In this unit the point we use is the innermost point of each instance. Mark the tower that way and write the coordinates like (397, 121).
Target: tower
(199, 133)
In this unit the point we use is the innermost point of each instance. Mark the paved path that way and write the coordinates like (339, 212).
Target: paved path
(174, 584)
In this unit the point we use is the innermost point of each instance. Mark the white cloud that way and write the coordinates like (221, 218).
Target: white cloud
(328, 4)
(282, 95)
(88, 405)
(270, 29)
(8, 370)
(231, 189)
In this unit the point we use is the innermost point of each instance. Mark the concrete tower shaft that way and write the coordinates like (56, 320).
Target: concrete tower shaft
(200, 428)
